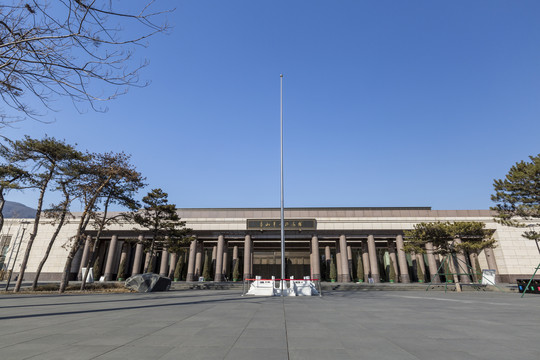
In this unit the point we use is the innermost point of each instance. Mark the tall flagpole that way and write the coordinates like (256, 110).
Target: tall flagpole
(282, 209)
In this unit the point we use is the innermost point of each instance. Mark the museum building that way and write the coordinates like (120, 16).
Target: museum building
(316, 240)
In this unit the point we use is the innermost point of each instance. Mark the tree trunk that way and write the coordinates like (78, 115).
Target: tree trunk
(73, 251)
(67, 266)
(51, 242)
(34, 232)
(151, 255)
(2, 203)
(80, 230)
(95, 246)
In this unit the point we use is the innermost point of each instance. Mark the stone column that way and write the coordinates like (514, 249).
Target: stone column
(247, 257)
(492, 263)
(462, 267)
(310, 262)
(327, 256)
(373, 261)
(235, 253)
(432, 264)
(191, 260)
(85, 255)
(234, 257)
(172, 265)
(327, 259)
(110, 258)
(164, 264)
(392, 254)
(402, 260)
(365, 260)
(197, 272)
(315, 258)
(338, 262)
(225, 268)
(219, 259)
(345, 275)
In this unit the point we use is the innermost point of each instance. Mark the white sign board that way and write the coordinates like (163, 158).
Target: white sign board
(488, 277)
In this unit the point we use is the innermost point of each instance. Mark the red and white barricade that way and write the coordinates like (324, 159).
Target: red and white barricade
(277, 287)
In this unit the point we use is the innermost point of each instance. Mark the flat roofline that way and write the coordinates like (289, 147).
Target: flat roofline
(317, 208)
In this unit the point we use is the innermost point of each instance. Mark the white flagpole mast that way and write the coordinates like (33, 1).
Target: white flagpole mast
(282, 209)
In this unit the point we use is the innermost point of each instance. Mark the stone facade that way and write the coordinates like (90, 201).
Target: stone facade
(374, 234)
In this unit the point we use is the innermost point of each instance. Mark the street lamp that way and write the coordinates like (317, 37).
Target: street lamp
(24, 225)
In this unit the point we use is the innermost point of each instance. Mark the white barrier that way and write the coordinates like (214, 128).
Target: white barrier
(267, 287)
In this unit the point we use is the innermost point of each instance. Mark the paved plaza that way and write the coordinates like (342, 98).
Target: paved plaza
(214, 324)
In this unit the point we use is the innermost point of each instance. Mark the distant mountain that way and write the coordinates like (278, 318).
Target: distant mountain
(17, 210)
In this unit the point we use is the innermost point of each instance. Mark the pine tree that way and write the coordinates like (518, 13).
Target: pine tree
(100, 172)
(473, 234)
(518, 197)
(324, 276)
(479, 274)
(236, 270)
(206, 268)
(11, 178)
(333, 272)
(419, 271)
(122, 270)
(97, 268)
(179, 267)
(45, 159)
(392, 276)
(163, 222)
(447, 273)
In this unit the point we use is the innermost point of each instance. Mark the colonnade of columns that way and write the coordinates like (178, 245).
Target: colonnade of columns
(220, 253)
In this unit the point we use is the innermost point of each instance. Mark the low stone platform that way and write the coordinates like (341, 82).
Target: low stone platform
(325, 286)
(329, 286)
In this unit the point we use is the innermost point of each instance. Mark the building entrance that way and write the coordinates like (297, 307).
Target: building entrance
(268, 263)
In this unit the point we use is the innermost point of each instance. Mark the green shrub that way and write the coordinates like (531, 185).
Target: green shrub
(478, 269)
(447, 274)
(392, 276)
(333, 272)
(360, 268)
(122, 270)
(179, 267)
(97, 268)
(419, 271)
(236, 270)
(206, 268)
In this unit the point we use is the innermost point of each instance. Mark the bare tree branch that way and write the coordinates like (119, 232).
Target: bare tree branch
(71, 48)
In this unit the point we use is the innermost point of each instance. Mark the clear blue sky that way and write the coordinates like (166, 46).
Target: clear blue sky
(387, 103)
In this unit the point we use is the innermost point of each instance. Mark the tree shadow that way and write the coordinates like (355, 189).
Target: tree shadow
(137, 297)
(201, 302)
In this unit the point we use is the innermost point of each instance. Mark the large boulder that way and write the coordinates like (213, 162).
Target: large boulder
(148, 283)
